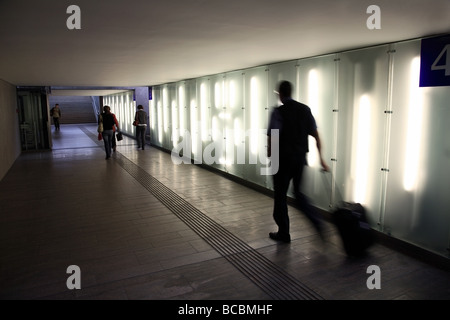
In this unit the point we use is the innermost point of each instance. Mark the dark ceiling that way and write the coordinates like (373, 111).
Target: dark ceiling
(141, 43)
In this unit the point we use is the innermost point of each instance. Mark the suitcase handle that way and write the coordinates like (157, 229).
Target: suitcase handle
(331, 188)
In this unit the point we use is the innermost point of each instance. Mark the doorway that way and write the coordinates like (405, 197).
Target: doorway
(33, 119)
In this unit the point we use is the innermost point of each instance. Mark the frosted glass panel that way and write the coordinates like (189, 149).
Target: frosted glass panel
(181, 137)
(234, 124)
(130, 109)
(216, 148)
(418, 202)
(256, 119)
(159, 127)
(316, 88)
(153, 118)
(205, 120)
(170, 115)
(165, 106)
(174, 116)
(194, 130)
(122, 106)
(363, 77)
(183, 146)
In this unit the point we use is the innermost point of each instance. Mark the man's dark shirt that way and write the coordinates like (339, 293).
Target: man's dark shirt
(295, 122)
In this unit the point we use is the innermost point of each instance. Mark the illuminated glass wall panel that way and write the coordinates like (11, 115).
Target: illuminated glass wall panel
(130, 109)
(205, 120)
(417, 201)
(172, 114)
(156, 138)
(255, 124)
(182, 143)
(315, 87)
(363, 78)
(170, 119)
(153, 118)
(216, 148)
(194, 117)
(183, 109)
(234, 124)
(122, 105)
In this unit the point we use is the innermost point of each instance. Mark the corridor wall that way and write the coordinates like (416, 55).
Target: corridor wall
(10, 145)
(386, 139)
(124, 107)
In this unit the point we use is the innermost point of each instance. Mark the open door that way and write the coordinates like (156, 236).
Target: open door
(33, 118)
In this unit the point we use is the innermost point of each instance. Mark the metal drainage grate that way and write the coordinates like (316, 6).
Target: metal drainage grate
(273, 280)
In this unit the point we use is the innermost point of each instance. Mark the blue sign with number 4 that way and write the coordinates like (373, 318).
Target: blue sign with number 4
(435, 62)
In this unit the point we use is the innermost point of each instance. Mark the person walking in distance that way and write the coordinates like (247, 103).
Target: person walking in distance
(141, 126)
(108, 123)
(55, 113)
(293, 122)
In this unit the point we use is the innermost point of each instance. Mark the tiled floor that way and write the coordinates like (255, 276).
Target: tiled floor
(140, 227)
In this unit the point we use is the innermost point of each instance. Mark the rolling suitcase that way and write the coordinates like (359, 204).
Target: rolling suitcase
(353, 227)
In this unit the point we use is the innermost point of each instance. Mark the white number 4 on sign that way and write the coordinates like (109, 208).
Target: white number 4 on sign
(436, 66)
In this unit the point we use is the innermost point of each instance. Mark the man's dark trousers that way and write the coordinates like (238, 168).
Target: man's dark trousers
(291, 168)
